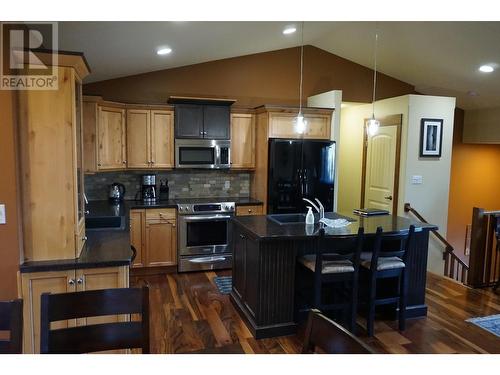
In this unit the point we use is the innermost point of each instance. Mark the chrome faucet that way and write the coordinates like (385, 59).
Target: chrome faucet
(319, 207)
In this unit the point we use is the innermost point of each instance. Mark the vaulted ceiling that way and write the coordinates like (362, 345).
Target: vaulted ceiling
(438, 58)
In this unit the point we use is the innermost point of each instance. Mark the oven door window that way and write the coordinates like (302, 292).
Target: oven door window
(205, 233)
(196, 155)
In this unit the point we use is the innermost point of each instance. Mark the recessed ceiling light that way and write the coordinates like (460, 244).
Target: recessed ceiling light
(486, 68)
(289, 30)
(163, 51)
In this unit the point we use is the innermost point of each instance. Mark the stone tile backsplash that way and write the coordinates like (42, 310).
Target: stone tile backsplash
(182, 184)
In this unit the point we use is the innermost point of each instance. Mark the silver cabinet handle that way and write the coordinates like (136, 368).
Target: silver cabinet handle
(87, 212)
(84, 238)
(124, 162)
(98, 164)
(79, 281)
(71, 281)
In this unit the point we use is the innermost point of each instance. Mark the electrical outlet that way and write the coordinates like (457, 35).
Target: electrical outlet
(227, 184)
(416, 180)
(3, 219)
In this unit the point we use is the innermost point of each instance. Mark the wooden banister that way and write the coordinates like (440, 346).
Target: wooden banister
(454, 267)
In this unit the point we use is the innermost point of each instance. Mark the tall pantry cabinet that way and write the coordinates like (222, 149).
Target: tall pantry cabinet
(51, 165)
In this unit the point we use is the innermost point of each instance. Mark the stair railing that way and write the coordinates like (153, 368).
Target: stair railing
(454, 267)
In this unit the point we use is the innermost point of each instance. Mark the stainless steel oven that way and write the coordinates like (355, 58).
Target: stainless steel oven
(202, 153)
(203, 232)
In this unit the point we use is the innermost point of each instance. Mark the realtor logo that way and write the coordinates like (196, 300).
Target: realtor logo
(29, 56)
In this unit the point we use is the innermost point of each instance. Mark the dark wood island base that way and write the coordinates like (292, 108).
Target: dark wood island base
(264, 265)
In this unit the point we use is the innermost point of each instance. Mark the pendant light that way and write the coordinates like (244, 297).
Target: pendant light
(373, 124)
(299, 121)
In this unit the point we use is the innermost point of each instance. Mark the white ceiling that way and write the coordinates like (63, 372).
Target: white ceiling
(439, 58)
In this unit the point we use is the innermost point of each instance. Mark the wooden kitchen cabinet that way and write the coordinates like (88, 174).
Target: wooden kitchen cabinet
(281, 125)
(249, 210)
(202, 121)
(188, 121)
(111, 150)
(242, 141)
(216, 120)
(153, 232)
(34, 284)
(150, 141)
(50, 160)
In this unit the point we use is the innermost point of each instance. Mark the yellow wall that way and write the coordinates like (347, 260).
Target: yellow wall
(431, 197)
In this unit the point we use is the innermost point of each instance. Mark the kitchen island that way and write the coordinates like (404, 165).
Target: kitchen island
(264, 261)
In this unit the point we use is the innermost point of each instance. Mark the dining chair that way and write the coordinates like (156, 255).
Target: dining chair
(324, 334)
(388, 259)
(95, 337)
(11, 320)
(336, 264)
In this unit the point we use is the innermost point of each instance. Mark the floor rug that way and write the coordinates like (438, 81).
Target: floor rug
(224, 284)
(490, 323)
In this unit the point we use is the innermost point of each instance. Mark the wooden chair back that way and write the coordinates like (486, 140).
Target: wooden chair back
(391, 245)
(11, 319)
(330, 337)
(97, 337)
(346, 248)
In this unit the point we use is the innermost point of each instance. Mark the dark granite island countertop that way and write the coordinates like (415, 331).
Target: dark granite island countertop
(264, 228)
(265, 257)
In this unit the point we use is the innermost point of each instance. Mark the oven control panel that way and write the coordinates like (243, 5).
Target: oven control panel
(205, 208)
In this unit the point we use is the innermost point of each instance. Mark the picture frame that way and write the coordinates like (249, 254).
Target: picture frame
(431, 137)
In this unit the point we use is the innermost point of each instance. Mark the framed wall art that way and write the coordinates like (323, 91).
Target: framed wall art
(431, 137)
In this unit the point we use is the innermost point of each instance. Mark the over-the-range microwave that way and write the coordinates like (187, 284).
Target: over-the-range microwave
(202, 153)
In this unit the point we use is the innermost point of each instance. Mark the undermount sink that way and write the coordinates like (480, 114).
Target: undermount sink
(105, 223)
(288, 218)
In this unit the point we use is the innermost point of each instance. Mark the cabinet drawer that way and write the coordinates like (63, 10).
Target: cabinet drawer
(160, 214)
(249, 210)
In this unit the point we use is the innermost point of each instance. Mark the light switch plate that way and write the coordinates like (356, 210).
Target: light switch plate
(3, 219)
(416, 180)
(227, 184)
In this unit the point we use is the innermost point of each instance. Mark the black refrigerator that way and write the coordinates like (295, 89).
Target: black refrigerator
(300, 169)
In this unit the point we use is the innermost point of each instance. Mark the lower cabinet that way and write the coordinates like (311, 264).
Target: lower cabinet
(34, 284)
(153, 233)
(245, 270)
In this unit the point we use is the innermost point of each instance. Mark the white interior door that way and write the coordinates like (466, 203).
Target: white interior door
(380, 168)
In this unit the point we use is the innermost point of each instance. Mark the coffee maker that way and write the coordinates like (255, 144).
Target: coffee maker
(148, 190)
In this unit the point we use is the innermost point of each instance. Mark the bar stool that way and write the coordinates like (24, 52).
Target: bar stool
(11, 319)
(387, 260)
(336, 264)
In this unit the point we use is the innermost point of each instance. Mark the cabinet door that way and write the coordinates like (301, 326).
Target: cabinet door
(32, 287)
(242, 141)
(282, 125)
(188, 121)
(111, 139)
(137, 234)
(216, 122)
(138, 138)
(162, 139)
(239, 260)
(161, 243)
(252, 275)
(90, 119)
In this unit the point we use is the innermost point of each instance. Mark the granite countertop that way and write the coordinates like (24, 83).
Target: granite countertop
(263, 227)
(109, 248)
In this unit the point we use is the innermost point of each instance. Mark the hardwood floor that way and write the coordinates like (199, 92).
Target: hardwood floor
(188, 314)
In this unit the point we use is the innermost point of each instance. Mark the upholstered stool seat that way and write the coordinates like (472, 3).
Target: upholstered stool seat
(328, 266)
(385, 263)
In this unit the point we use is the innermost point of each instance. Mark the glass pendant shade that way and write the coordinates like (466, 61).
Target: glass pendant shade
(372, 126)
(300, 123)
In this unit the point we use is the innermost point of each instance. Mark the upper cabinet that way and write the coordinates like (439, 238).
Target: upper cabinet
(120, 136)
(52, 188)
(242, 141)
(202, 118)
(282, 125)
(111, 151)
